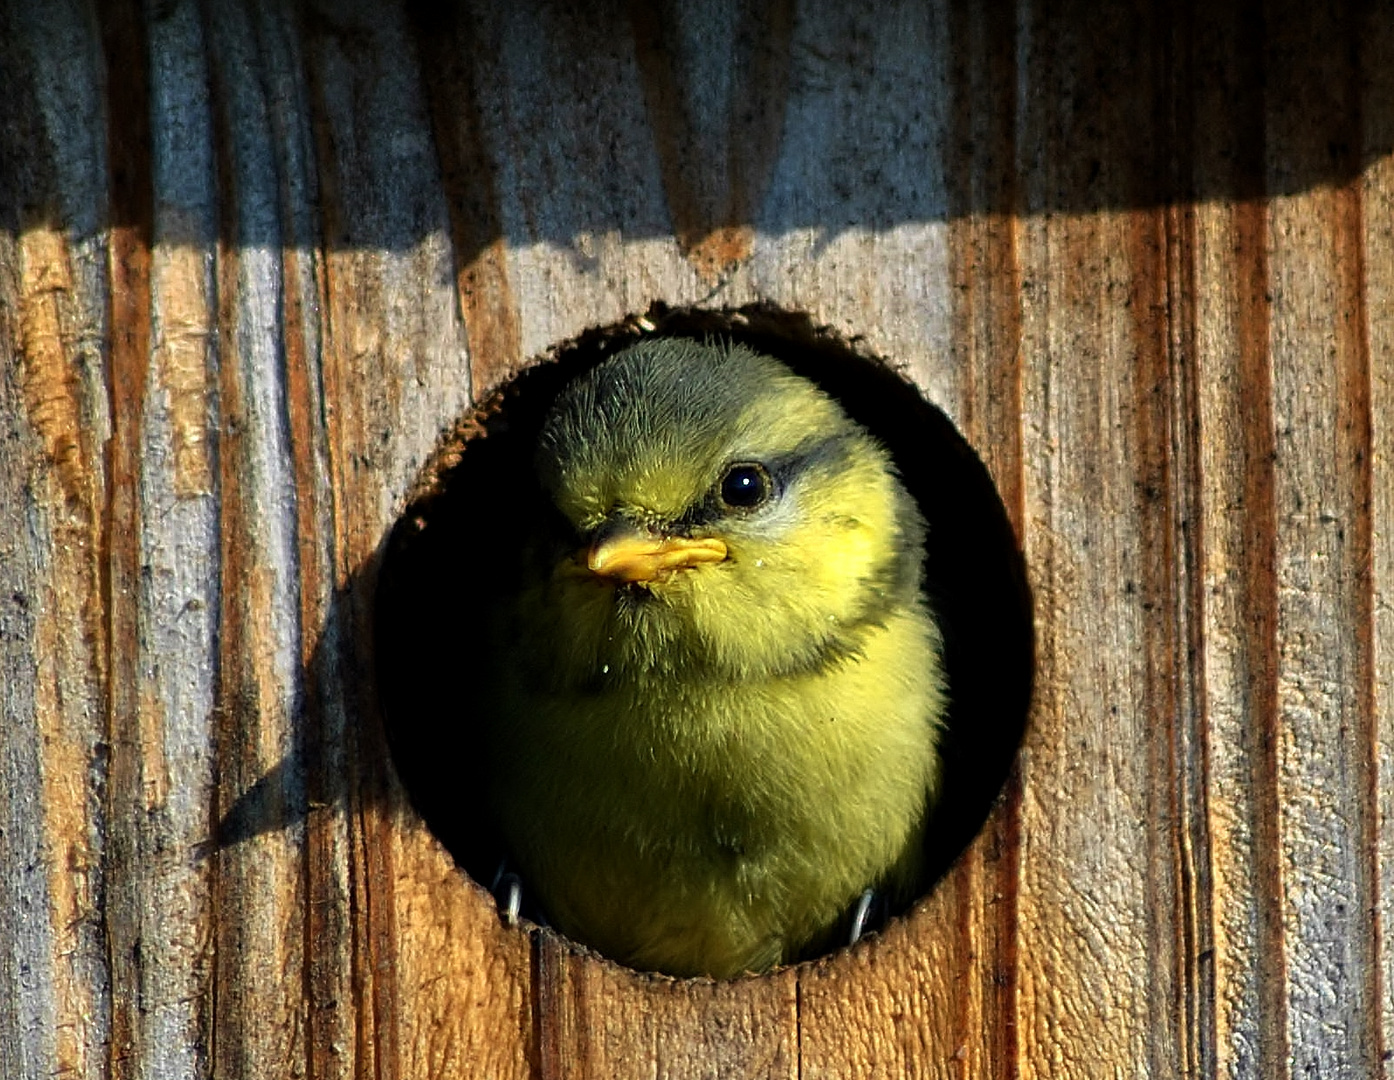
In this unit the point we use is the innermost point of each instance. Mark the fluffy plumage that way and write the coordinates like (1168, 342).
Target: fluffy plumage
(716, 690)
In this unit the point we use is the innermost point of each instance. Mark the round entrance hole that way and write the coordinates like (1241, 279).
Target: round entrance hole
(454, 552)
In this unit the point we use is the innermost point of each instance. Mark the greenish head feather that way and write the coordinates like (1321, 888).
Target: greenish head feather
(648, 432)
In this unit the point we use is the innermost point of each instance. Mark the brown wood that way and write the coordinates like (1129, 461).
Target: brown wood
(257, 260)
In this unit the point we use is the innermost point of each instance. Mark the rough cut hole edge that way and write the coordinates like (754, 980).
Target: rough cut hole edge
(969, 531)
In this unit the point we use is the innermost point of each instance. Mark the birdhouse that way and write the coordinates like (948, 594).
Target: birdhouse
(1111, 282)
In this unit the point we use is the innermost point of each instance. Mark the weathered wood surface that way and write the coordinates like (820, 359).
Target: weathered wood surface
(255, 258)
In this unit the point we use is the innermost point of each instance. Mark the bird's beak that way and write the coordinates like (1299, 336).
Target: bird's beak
(627, 555)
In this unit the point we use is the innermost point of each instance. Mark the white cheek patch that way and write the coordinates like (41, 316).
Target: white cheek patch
(774, 522)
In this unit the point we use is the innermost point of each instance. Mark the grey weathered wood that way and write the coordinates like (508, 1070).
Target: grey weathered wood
(256, 259)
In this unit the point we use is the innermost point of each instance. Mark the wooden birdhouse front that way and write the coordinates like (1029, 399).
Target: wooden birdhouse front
(261, 264)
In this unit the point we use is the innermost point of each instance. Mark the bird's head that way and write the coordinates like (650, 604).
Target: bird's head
(716, 511)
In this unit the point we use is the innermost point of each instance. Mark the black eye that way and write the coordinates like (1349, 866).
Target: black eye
(746, 486)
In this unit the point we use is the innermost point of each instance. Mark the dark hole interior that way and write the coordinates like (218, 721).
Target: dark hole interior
(439, 568)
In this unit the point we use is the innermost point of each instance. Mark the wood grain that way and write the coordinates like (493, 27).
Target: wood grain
(256, 262)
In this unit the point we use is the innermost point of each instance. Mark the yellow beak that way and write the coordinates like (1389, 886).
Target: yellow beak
(632, 556)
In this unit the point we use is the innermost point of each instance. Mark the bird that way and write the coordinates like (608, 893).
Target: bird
(714, 692)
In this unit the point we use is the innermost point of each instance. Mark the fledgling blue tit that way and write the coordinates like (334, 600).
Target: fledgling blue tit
(717, 689)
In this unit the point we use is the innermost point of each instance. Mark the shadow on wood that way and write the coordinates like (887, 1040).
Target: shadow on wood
(733, 111)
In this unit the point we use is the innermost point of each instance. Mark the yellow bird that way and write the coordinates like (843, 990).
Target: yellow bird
(716, 691)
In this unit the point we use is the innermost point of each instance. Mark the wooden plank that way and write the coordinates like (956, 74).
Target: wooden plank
(55, 720)
(1376, 193)
(1321, 418)
(1235, 527)
(426, 982)
(1102, 914)
(259, 948)
(164, 559)
(54, 736)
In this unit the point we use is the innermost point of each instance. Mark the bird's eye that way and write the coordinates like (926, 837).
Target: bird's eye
(746, 486)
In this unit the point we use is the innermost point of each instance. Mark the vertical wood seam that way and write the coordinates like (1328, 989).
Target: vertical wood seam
(1193, 850)
(1196, 852)
(1013, 218)
(1353, 226)
(1012, 789)
(1193, 835)
(1155, 504)
(130, 194)
(373, 1053)
(1261, 608)
(1353, 196)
